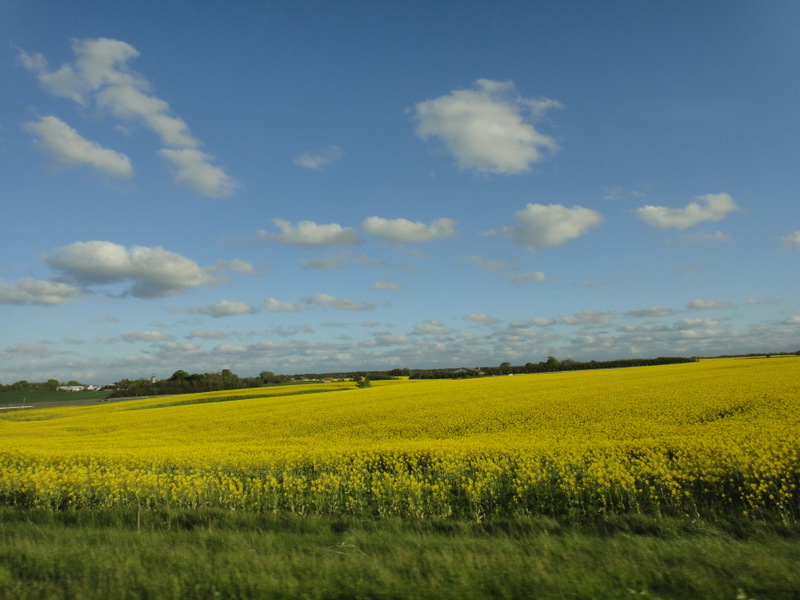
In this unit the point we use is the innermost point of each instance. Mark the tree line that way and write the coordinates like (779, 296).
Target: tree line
(182, 382)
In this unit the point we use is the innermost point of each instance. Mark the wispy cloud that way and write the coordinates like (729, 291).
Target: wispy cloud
(482, 318)
(708, 305)
(223, 308)
(387, 285)
(67, 146)
(653, 311)
(100, 73)
(791, 241)
(274, 305)
(317, 160)
(35, 291)
(523, 278)
(493, 265)
(337, 303)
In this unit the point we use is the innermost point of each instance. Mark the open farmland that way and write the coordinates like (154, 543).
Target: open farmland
(661, 482)
(716, 437)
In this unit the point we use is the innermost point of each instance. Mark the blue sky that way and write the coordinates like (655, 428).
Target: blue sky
(314, 186)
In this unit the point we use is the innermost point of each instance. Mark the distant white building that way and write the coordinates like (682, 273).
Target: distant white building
(71, 388)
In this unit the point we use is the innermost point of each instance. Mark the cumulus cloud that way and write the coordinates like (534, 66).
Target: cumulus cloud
(542, 322)
(223, 308)
(273, 305)
(405, 231)
(100, 73)
(793, 320)
(310, 234)
(35, 291)
(540, 226)
(317, 160)
(653, 311)
(67, 146)
(482, 318)
(791, 241)
(207, 334)
(150, 272)
(588, 317)
(145, 336)
(337, 303)
(485, 128)
(708, 305)
(430, 327)
(711, 207)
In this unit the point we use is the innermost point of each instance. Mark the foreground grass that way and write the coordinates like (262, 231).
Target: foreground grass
(216, 554)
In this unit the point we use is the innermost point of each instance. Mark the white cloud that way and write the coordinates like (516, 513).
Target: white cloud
(342, 261)
(231, 349)
(100, 73)
(791, 241)
(145, 336)
(793, 320)
(495, 265)
(542, 322)
(66, 145)
(523, 278)
(207, 334)
(589, 317)
(126, 101)
(653, 311)
(223, 308)
(194, 169)
(152, 272)
(317, 160)
(273, 305)
(235, 264)
(482, 318)
(337, 303)
(387, 285)
(309, 234)
(711, 207)
(405, 231)
(692, 324)
(538, 226)
(34, 291)
(485, 129)
(717, 236)
(708, 305)
(430, 327)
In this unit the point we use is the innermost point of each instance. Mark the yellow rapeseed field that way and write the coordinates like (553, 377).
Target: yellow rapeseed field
(718, 436)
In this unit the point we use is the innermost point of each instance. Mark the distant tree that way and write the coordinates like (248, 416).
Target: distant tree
(363, 382)
(268, 377)
(179, 375)
(552, 364)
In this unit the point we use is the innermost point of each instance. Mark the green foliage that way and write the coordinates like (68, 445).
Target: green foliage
(223, 554)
